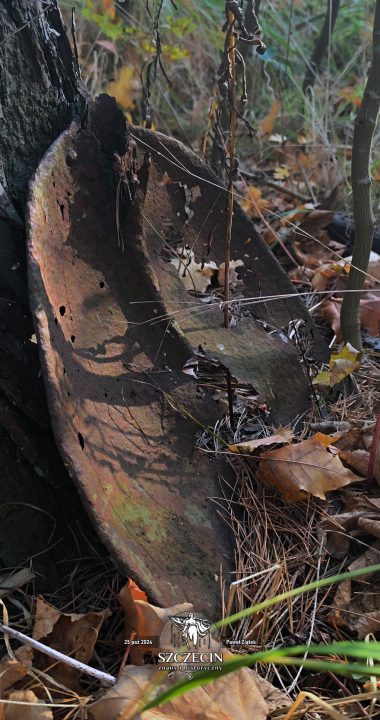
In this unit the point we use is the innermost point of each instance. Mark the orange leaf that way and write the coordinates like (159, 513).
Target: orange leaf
(304, 469)
(135, 591)
(266, 125)
(109, 8)
(254, 203)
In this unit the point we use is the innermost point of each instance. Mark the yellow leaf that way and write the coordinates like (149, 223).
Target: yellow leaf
(266, 125)
(254, 203)
(341, 364)
(123, 89)
(281, 173)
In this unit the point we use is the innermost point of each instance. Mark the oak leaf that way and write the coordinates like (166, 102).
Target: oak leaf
(304, 469)
(73, 634)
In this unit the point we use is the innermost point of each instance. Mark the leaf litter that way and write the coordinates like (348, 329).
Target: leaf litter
(295, 511)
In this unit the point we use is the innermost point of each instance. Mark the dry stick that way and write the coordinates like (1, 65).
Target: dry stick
(365, 124)
(232, 144)
(374, 449)
(98, 674)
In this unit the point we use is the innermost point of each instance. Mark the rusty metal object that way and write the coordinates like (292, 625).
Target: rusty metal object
(123, 413)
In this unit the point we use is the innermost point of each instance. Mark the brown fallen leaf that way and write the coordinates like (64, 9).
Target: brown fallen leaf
(358, 460)
(71, 633)
(280, 436)
(232, 697)
(254, 204)
(304, 469)
(358, 611)
(369, 314)
(359, 513)
(11, 671)
(330, 311)
(145, 620)
(34, 710)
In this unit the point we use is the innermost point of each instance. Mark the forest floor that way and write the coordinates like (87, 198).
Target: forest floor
(287, 531)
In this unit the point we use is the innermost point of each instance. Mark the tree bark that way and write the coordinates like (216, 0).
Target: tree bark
(361, 193)
(39, 96)
(322, 44)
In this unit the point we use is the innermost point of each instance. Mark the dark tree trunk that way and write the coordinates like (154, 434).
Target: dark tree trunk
(39, 95)
(321, 44)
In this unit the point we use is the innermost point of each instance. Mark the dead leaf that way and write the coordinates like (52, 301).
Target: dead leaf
(369, 314)
(232, 697)
(108, 45)
(195, 276)
(280, 436)
(304, 469)
(124, 88)
(34, 711)
(11, 671)
(145, 620)
(267, 123)
(315, 221)
(330, 311)
(351, 94)
(357, 517)
(71, 633)
(254, 204)
(358, 611)
(341, 364)
(281, 173)
(372, 527)
(233, 277)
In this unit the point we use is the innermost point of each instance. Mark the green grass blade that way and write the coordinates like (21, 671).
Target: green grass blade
(283, 656)
(325, 582)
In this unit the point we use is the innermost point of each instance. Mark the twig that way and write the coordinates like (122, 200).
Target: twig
(98, 674)
(230, 398)
(232, 144)
(260, 178)
(374, 449)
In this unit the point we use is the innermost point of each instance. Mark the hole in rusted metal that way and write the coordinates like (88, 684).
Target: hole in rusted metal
(81, 440)
(62, 310)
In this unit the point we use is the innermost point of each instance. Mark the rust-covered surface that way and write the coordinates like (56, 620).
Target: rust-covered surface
(122, 409)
